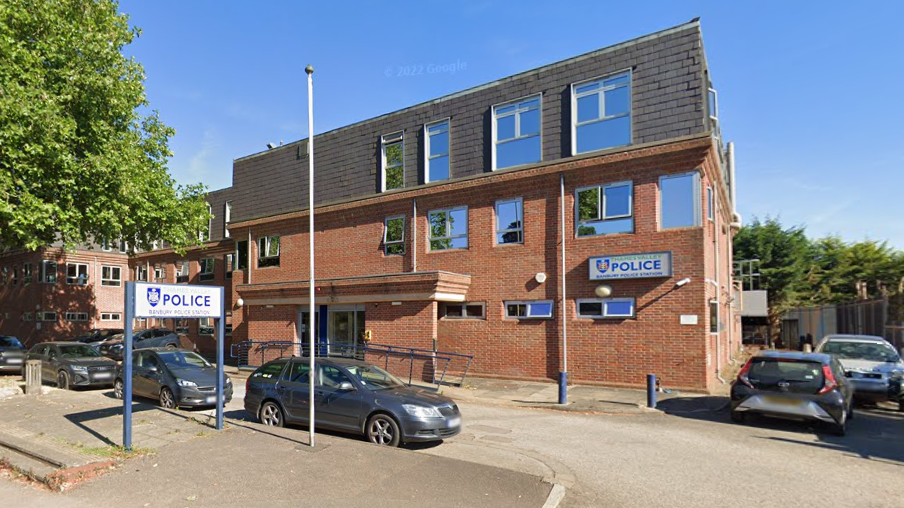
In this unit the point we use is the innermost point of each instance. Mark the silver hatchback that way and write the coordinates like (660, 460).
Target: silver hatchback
(871, 363)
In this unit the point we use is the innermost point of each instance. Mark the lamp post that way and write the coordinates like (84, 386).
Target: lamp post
(312, 330)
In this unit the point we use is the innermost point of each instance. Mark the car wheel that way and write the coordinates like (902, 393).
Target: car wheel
(383, 430)
(840, 429)
(271, 415)
(63, 380)
(738, 417)
(167, 399)
(118, 388)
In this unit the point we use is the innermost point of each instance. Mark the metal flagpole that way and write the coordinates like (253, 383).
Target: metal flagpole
(312, 330)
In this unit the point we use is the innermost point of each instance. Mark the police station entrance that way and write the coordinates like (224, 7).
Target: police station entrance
(341, 327)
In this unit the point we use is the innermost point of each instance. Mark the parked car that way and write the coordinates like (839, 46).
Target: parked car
(12, 354)
(175, 377)
(874, 367)
(70, 364)
(796, 386)
(350, 396)
(152, 337)
(97, 336)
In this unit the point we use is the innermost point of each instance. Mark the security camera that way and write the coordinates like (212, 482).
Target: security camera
(271, 145)
(682, 282)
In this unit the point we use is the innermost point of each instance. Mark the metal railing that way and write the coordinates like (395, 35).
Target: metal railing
(400, 361)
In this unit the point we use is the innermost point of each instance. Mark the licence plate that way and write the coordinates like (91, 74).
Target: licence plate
(14, 361)
(211, 400)
(782, 401)
(103, 375)
(453, 422)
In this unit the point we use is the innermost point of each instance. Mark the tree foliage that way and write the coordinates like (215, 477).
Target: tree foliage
(79, 161)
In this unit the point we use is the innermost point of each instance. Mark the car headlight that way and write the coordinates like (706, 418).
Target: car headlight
(79, 369)
(228, 382)
(186, 383)
(421, 411)
(896, 374)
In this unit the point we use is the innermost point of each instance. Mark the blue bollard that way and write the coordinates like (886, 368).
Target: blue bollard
(563, 388)
(651, 390)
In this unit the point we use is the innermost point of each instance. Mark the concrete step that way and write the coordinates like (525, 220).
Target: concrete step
(27, 465)
(42, 449)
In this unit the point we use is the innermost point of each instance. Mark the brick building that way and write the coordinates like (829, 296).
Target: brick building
(484, 222)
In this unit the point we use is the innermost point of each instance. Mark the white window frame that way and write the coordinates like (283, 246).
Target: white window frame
(44, 264)
(227, 218)
(205, 235)
(710, 203)
(109, 280)
(517, 114)
(695, 199)
(205, 326)
(27, 273)
(123, 246)
(718, 318)
(106, 245)
(601, 203)
(42, 316)
(264, 244)
(159, 272)
(448, 235)
(387, 242)
(528, 304)
(183, 271)
(604, 312)
(74, 281)
(500, 230)
(601, 91)
(211, 273)
(391, 139)
(464, 310)
(141, 273)
(76, 316)
(228, 265)
(428, 157)
(111, 316)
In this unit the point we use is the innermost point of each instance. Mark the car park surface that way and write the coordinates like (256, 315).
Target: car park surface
(12, 354)
(871, 363)
(175, 377)
(70, 364)
(350, 396)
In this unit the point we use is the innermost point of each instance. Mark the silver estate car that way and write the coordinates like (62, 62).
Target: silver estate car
(871, 363)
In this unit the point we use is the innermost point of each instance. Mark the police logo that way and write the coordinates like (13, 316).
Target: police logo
(602, 265)
(153, 296)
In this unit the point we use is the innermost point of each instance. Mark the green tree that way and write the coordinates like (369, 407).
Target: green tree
(79, 161)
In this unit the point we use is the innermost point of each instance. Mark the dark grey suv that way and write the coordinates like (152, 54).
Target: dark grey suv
(12, 354)
(71, 364)
(350, 396)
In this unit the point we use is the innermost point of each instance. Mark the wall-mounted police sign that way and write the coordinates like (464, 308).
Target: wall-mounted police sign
(631, 266)
(176, 301)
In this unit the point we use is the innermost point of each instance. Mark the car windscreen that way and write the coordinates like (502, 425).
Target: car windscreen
(870, 351)
(182, 359)
(77, 351)
(10, 342)
(782, 374)
(373, 377)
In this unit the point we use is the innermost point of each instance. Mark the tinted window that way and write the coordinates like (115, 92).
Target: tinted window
(800, 376)
(10, 342)
(269, 371)
(374, 378)
(77, 351)
(331, 377)
(297, 373)
(183, 359)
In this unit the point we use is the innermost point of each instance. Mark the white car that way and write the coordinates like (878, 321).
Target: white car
(872, 364)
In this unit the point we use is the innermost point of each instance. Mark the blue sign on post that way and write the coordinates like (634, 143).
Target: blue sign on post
(169, 301)
(631, 266)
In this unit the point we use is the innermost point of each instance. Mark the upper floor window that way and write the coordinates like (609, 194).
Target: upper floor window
(182, 271)
(393, 173)
(204, 234)
(448, 228)
(159, 273)
(394, 236)
(106, 246)
(110, 276)
(710, 206)
(516, 128)
(268, 251)
(509, 221)
(141, 273)
(713, 316)
(123, 246)
(437, 151)
(601, 113)
(241, 255)
(15, 275)
(27, 273)
(49, 272)
(77, 274)
(229, 265)
(679, 200)
(207, 267)
(227, 218)
(605, 209)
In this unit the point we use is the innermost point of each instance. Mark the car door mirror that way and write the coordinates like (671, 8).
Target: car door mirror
(346, 386)
(152, 368)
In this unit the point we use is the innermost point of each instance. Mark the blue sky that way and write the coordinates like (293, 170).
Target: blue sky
(809, 91)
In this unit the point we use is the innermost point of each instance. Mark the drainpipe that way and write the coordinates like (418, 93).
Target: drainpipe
(718, 293)
(563, 376)
(248, 268)
(94, 283)
(414, 236)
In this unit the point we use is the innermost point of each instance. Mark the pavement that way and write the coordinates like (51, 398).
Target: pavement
(71, 441)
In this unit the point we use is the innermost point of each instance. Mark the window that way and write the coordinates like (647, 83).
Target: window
(49, 272)
(448, 228)
(437, 151)
(204, 234)
(605, 209)
(713, 103)
(606, 308)
(713, 316)
(110, 316)
(710, 212)
(227, 218)
(536, 309)
(106, 246)
(207, 267)
(463, 311)
(77, 273)
(159, 272)
(393, 173)
(182, 271)
(141, 273)
(679, 204)
(15, 275)
(516, 131)
(509, 224)
(26, 316)
(110, 276)
(46, 316)
(394, 236)
(181, 326)
(27, 273)
(268, 251)
(123, 246)
(229, 264)
(76, 316)
(205, 326)
(601, 113)
(241, 255)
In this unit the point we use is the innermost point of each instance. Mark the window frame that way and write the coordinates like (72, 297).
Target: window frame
(710, 203)
(448, 235)
(698, 219)
(204, 235)
(237, 265)
(109, 316)
(27, 273)
(387, 243)
(518, 137)
(206, 326)
(77, 317)
(44, 271)
(385, 141)
(464, 310)
(268, 259)
(15, 277)
(208, 275)
(228, 265)
(527, 306)
(428, 157)
(603, 312)
(183, 272)
(109, 281)
(601, 207)
(499, 231)
(601, 91)
(715, 320)
(78, 266)
(160, 272)
(227, 218)
(43, 317)
(141, 273)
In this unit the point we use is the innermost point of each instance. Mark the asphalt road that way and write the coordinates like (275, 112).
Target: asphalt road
(694, 458)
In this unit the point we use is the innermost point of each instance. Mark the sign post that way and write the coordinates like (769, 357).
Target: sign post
(169, 301)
